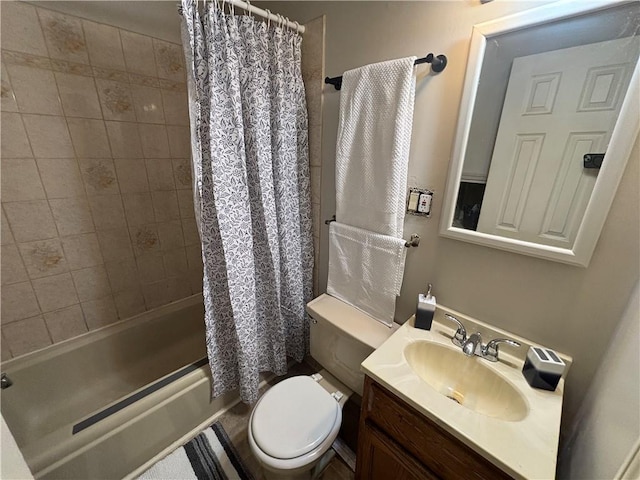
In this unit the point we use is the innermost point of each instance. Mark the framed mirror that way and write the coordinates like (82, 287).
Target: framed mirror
(548, 119)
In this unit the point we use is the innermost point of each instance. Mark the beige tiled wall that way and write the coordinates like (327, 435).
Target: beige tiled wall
(97, 212)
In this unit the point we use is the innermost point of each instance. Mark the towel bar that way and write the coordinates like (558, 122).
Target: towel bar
(413, 241)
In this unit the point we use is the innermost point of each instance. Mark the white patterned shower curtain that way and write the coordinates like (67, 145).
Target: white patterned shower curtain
(252, 194)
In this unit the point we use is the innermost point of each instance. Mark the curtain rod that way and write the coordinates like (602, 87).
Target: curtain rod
(262, 13)
(438, 64)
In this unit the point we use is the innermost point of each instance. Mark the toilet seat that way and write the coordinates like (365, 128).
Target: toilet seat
(294, 423)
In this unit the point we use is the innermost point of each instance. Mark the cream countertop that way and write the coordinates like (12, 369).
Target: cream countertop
(524, 449)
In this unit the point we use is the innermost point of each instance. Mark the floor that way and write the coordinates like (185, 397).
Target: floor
(236, 420)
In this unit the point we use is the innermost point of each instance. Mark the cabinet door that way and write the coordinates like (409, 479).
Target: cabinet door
(381, 458)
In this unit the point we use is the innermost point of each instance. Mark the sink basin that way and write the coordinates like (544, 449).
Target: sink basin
(466, 380)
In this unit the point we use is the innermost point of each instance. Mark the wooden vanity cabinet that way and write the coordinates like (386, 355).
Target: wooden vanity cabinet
(396, 442)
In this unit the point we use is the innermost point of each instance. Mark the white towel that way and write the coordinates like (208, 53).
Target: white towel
(372, 151)
(365, 270)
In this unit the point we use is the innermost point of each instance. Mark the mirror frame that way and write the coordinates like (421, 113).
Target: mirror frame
(617, 155)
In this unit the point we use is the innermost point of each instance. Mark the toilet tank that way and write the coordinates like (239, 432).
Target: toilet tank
(342, 337)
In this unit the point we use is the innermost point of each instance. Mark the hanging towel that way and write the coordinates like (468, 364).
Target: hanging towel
(365, 270)
(372, 151)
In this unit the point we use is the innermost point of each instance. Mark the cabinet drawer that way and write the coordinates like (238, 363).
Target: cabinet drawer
(445, 455)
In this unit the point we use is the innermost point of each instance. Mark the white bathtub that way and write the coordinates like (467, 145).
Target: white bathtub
(70, 383)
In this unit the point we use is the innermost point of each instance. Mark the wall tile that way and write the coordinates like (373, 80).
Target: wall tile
(64, 36)
(123, 275)
(107, 212)
(148, 104)
(89, 138)
(103, 43)
(35, 90)
(315, 184)
(115, 245)
(175, 262)
(155, 143)
(138, 208)
(7, 97)
(185, 202)
(165, 206)
(194, 257)
(190, 231)
(170, 234)
(129, 303)
(116, 100)
(5, 353)
(65, 323)
(79, 96)
(5, 231)
(82, 251)
(138, 53)
(18, 302)
(175, 106)
(169, 60)
(160, 174)
(13, 141)
(100, 312)
(195, 281)
(55, 292)
(49, 136)
(156, 294)
(61, 177)
(13, 270)
(20, 180)
(145, 240)
(30, 220)
(182, 173)
(132, 175)
(150, 268)
(179, 141)
(124, 139)
(72, 215)
(26, 335)
(43, 258)
(21, 29)
(99, 176)
(91, 283)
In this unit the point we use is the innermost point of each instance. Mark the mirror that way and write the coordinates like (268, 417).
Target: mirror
(548, 118)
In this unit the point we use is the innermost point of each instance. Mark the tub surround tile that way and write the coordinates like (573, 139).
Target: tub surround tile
(64, 36)
(43, 258)
(18, 302)
(165, 205)
(30, 220)
(175, 105)
(89, 138)
(123, 276)
(21, 180)
(194, 258)
(160, 174)
(103, 43)
(82, 251)
(175, 262)
(155, 143)
(49, 136)
(4, 350)
(116, 100)
(99, 176)
(21, 29)
(70, 67)
(107, 212)
(150, 268)
(138, 53)
(195, 281)
(35, 90)
(148, 104)
(170, 234)
(91, 283)
(138, 208)
(72, 215)
(179, 141)
(315, 184)
(165, 291)
(13, 270)
(129, 303)
(132, 175)
(65, 323)
(13, 141)
(55, 292)
(185, 203)
(115, 245)
(108, 74)
(145, 239)
(100, 312)
(26, 335)
(5, 231)
(169, 60)
(190, 231)
(136, 79)
(7, 97)
(79, 96)
(182, 173)
(124, 139)
(61, 177)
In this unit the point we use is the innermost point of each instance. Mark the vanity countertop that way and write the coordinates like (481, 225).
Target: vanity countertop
(524, 449)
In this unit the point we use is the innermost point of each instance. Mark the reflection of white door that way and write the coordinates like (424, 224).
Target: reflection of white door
(559, 106)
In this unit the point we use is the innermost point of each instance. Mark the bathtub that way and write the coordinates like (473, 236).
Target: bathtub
(106, 403)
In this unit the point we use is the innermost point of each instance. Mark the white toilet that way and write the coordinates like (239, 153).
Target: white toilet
(294, 423)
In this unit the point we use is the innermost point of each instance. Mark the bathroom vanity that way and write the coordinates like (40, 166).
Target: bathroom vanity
(429, 411)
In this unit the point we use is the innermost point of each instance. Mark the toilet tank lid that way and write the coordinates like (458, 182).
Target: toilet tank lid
(349, 319)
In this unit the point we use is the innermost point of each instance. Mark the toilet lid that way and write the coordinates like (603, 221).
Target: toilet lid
(293, 417)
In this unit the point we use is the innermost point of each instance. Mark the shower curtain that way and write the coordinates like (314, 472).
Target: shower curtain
(252, 194)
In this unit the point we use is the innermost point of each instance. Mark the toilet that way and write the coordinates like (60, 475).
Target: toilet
(294, 424)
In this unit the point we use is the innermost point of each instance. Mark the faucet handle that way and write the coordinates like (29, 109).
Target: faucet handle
(461, 333)
(490, 350)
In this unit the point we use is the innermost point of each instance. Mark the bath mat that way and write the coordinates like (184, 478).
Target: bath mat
(209, 456)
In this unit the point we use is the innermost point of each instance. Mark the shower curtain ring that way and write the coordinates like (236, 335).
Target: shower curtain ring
(249, 9)
(268, 18)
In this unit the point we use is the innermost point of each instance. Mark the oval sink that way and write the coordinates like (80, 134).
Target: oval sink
(466, 381)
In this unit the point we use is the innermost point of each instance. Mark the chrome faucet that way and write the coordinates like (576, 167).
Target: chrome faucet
(473, 344)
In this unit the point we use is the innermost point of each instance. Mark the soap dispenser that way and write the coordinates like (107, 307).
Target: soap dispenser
(425, 310)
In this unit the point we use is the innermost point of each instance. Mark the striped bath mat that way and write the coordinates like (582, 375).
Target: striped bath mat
(209, 456)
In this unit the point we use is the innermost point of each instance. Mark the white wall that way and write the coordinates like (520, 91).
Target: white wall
(608, 423)
(571, 309)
